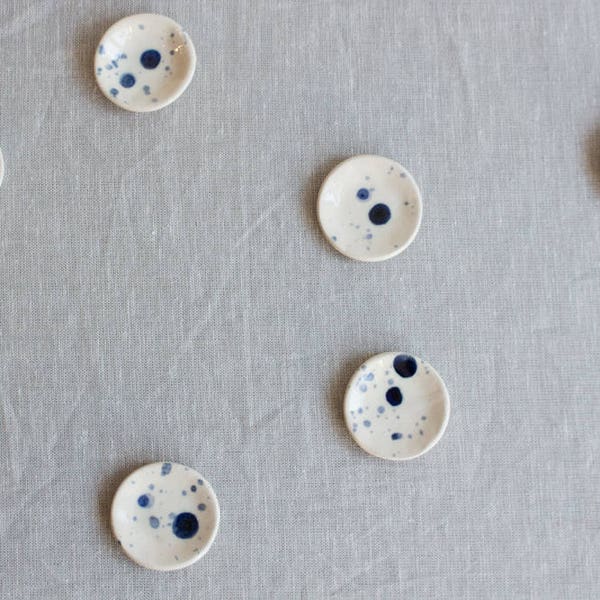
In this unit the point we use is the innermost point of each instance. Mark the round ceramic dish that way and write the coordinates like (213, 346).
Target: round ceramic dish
(165, 516)
(144, 62)
(396, 406)
(369, 208)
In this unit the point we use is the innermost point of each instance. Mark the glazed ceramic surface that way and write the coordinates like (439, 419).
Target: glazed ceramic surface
(144, 62)
(1, 167)
(396, 406)
(369, 208)
(165, 516)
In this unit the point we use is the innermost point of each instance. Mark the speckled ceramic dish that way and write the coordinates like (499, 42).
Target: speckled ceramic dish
(144, 62)
(396, 406)
(369, 208)
(165, 516)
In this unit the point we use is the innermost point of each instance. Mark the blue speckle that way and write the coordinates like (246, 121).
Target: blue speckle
(193, 488)
(200, 482)
(362, 194)
(390, 382)
(127, 80)
(115, 64)
(368, 236)
(167, 68)
(183, 493)
(154, 522)
(108, 67)
(367, 423)
(145, 500)
(151, 486)
(185, 525)
(410, 436)
(146, 89)
(150, 59)
(99, 70)
(423, 418)
(202, 506)
(363, 387)
(402, 174)
(396, 436)
(166, 469)
(405, 365)
(394, 396)
(101, 49)
(141, 26)
(334, 238)
(369, 377)
(380, 214)
(420, 432)
(360, 411)
(381, 409)
(172, 52)
(135, 518)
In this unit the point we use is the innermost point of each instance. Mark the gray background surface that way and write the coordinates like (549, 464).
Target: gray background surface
(165, 293)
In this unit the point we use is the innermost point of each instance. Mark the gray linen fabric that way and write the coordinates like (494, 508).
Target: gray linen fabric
(165, 293)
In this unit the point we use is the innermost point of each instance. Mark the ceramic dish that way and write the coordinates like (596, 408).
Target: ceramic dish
(144, 62)
(369, 208)
(165, 516)
(396, 406)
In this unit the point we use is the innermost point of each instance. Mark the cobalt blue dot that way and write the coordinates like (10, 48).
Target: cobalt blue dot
(380, 214)
(394, 396)
(154, 522)
(405, 365)
(150, 59)
(127, 80)
(362, 194)
(113, 91)
(166, 469)
(202, 506)
(367, 423)
(396, 436)
(363, 387)
(381, 409)
(200, 482)
(369, 377)
(185, 525)
(144, 500)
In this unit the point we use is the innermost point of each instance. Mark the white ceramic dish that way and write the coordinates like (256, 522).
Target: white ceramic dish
(396, 406)
(165, 516)
(144, 62)
(369, 208)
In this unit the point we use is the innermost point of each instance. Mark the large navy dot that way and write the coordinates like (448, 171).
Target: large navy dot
(185, 525)
(362, 194)
(127, 80)
(380, 214)
(394, 396)
(150, 59)
(405, 365)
